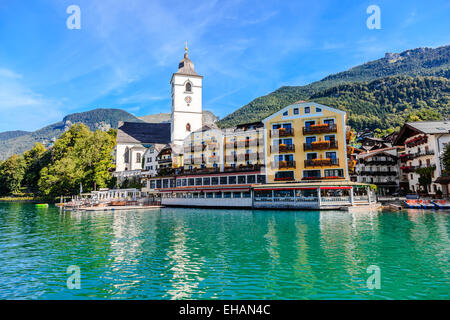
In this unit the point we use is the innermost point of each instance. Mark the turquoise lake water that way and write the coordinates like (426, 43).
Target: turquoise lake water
(223, 254)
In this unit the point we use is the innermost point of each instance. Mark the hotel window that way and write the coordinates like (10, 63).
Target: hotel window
(310, 140)
(209, 195)
(172, 183)
(223, 180)
(329, 122)
(165, 183)
(218, 195)
(191, 181)
(152, 184)
(261, 178)
(307, 109)
(295, 110)
(206, 181)
(214, 181)
(184, 182)
(227, 194)
(318, 109)
(251, 179)
(331, 137)
(311, 174)
(284, 175)
(309, 123)
(334, 173)
(330, 155)
(158, 184)
(236, 195)
(311, 156)
(198, 181)
(246, 195)
(232, 180)
(178, 182)
(241, 179)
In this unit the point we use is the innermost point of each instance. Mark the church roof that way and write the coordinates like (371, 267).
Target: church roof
(143, 132)
(186, 66)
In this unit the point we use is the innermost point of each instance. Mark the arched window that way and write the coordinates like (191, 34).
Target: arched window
(188, 87)
(188, 127)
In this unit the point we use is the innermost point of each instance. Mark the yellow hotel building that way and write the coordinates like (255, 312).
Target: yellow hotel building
(306, 141)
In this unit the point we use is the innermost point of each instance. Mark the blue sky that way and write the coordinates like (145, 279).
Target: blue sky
(126, 51)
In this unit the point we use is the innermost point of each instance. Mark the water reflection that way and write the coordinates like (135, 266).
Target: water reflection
(225, 254)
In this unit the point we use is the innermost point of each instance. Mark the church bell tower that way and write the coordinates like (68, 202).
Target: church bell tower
(186, 87)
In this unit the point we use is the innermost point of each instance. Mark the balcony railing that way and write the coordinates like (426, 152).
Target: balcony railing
(213, 146)
(321, 162)
(282, 132)
(380, 162)
(199, 147)
(378, 173)
(199, 160)
(320, 145)
(319, 128)
(281, 148)
(284, 164)
(213, 159)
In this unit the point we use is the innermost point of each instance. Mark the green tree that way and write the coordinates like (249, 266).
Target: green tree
(35, 160)
(79, 156)
(12, 172)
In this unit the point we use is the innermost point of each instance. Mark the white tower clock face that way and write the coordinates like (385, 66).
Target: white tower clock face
(188, 99)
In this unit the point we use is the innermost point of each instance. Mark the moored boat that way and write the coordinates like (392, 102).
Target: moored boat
(412, 204)
(441, 204)
(426, 204)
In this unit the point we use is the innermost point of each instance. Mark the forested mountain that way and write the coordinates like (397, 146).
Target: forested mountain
(415, 62)
(389, 101)
(12, 134)
(95, 119)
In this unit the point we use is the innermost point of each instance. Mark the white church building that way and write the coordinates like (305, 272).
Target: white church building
(135, 138)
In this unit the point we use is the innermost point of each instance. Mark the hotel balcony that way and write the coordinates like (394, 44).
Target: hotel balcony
(199, 160)
(213, 146)
(319, 128)
(283, 165)
(321, 162)
(379, 162)
(282, 148)
(188, 149)
(378, 173)
(230, 145)
(199, 147)
(250, 167)
(283, 132)
(213, 159)
(320, 145)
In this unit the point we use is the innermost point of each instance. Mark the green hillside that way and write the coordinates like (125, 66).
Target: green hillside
(415, 62)
(102, 119)
(388, 102)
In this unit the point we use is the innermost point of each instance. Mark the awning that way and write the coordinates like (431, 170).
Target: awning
(277, 189)
(334, 188)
